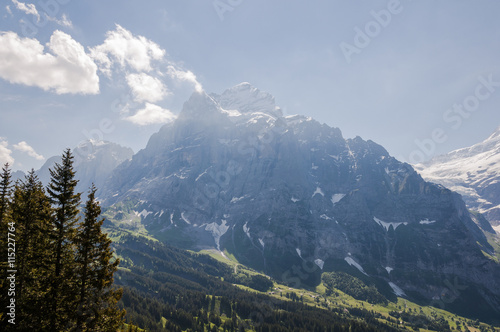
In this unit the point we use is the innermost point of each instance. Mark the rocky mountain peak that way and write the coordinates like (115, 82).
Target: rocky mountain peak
(245, 98)
(199, 106)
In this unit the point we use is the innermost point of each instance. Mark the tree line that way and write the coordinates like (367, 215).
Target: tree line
(56, 253)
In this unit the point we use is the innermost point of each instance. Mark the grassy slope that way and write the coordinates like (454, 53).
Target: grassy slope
(318, 298)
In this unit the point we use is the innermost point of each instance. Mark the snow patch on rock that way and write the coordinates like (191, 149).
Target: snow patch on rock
(336, 198)
(318, 191)
(237, 199)
(352, 262)
(217, 231)
(144, 213)
(247, 230)
(185, 219)
(386, 225)
(398, 291)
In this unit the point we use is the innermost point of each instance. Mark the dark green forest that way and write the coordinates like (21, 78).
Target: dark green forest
(57, 264)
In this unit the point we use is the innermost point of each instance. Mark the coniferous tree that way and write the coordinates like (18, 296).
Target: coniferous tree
(5, 197)
(97, 302)
(65, 201)
(31, 211)
(64, 268)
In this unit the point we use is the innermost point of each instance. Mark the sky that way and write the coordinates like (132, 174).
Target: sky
(421, 78)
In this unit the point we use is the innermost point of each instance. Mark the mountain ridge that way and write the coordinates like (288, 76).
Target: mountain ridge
(474, 172)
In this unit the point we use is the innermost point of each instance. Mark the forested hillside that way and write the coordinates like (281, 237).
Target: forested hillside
(167, 289)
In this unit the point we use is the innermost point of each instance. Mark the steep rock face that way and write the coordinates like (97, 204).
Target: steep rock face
(94, 161)
(473, 172)
(293, 198)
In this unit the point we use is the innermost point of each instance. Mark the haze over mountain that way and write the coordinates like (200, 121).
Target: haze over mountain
(292, 198)
(94, 161)
(473, 172)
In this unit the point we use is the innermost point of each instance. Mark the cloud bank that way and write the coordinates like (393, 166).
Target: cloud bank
(65, 69)
(151, 114)
(146, 69)
(63, 66)
(5, 152)
(122, 48)
(24, 147)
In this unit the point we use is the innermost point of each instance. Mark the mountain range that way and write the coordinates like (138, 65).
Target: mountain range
(292, 198)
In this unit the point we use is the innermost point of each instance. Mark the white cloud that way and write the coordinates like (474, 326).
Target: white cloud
(64, 21)
(29, 8)
(67, 70)
(126, 49)
(8, 10)
(5, 152)
(146, 88)
(24, 147)
(186, 76)
(151, 114)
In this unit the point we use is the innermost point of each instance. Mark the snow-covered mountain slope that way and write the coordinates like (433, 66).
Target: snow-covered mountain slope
(474, 172)
(290, 196)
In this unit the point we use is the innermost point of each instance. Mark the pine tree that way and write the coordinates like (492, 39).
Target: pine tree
(97, 309)
(31, 211)
(5, 197)
(65, 201)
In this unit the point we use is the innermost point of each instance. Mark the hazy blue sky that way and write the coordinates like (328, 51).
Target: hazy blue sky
(418, 77)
